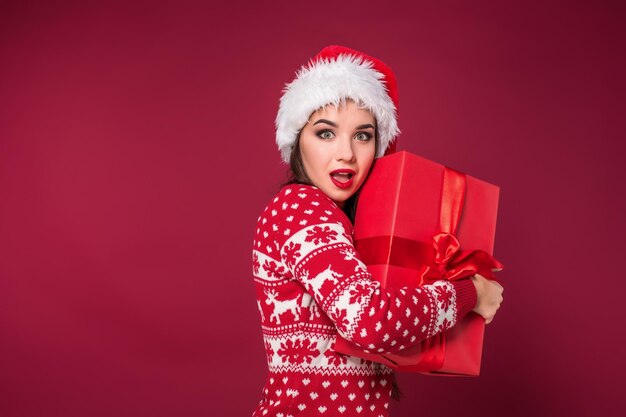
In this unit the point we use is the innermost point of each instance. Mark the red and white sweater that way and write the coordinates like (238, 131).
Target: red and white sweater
(311, 286)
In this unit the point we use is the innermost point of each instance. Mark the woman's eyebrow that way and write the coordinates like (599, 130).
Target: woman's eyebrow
(328, 122)
(365, 126)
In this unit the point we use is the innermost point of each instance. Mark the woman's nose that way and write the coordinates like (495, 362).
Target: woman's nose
(344, 151)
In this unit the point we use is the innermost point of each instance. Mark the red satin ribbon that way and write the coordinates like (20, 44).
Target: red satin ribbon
(449, 262)
(435, 260)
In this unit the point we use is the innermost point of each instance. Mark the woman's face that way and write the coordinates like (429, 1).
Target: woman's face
(338, 146)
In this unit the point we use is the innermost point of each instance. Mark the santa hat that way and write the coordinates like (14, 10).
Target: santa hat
(334, 74)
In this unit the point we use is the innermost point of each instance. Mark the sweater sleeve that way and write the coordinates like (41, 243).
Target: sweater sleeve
(315, 245)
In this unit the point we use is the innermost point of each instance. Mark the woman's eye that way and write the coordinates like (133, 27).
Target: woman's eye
(325, 134)
(363, 137)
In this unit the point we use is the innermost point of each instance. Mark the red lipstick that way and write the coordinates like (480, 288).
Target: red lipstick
(342, 178)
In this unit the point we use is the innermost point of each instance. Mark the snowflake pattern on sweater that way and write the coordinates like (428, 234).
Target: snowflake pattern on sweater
(312, 286)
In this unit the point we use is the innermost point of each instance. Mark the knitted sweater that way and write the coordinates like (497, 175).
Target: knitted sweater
(312, 286)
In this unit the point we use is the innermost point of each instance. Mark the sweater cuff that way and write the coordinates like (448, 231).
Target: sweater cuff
(466, 296)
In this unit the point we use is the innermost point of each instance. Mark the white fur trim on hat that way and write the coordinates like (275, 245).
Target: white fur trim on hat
(331, 81)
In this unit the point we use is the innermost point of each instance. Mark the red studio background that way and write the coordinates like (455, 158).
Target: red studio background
(137, 150)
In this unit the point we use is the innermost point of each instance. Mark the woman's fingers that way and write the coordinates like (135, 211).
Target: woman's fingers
(489, 297)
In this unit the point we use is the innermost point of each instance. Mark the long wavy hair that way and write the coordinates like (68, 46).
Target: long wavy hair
(297, 175)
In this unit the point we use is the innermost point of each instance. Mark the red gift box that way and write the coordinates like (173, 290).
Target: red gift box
(418, 221)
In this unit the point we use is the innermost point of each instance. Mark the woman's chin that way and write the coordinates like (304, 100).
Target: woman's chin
(339, 196)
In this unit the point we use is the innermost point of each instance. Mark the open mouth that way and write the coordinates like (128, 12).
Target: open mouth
(342, 178)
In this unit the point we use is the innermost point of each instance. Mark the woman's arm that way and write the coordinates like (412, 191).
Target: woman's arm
(314, 240)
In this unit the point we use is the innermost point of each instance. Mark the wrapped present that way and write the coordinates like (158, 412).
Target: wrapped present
(418, 221)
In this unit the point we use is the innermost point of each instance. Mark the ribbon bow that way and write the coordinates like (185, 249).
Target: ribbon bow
(451, 264)
(448, 261)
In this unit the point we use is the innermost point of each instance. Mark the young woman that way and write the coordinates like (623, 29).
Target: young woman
(335, 118)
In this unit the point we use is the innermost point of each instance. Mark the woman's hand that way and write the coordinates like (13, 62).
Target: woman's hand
(489, 297)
